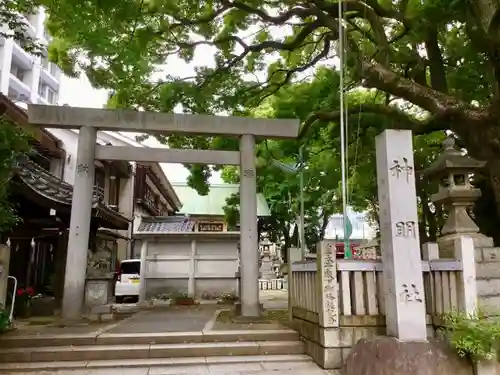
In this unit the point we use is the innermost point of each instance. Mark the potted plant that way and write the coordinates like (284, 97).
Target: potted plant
(226, 299)
(181, 298)
(23, 302)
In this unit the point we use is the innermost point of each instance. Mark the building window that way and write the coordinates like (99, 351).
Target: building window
(114, 191)
(45, 62)
(51, 96)
(42, 89)
(53, 69)
(100, 178)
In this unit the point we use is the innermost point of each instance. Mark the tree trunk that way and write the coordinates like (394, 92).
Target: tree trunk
(324, 224)
(494, 174)
(482, 141)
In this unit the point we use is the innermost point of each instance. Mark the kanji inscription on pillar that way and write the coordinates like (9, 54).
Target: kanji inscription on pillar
(82, 169)
(248, 173)
(327, 274)
(401, 168)
(403, 281)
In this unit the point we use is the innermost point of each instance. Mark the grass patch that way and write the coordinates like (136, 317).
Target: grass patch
(268, 317)
(280, 316)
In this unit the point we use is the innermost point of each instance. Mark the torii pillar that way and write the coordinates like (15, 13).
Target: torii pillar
(89, 120)
(249, 236)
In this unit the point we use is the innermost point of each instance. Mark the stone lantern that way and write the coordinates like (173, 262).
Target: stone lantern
(453, 171)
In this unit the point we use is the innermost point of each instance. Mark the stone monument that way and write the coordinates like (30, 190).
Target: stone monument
(99, 279)
(266, 263)
(400, 245)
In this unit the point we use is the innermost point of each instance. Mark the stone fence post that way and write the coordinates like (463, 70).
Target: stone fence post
(327, 285)
(4, 273)
(327, 354)
(464, 252)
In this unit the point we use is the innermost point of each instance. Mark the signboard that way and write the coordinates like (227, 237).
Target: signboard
(210, 227)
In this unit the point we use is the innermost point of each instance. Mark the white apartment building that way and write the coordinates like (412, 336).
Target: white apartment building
(25, 78)
(361, 228)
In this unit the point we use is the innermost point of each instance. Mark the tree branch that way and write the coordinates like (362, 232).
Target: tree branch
(437, 103)
(401, 119)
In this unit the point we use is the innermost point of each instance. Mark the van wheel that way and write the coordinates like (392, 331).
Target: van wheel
(119, 299)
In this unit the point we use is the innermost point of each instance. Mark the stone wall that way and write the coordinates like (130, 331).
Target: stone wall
(488, 279)
(329, 347)
(336, 302)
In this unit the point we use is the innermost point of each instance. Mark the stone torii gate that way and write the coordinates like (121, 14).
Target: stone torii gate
(88, 121)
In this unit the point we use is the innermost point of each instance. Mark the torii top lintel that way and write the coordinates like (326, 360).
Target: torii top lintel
(49, 116)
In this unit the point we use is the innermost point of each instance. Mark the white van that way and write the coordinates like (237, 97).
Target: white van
(128, 280)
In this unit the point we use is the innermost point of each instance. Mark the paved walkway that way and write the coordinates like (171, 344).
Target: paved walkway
(172, 319)
(274, 299)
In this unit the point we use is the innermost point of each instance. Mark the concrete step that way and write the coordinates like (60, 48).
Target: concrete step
(186, 365)
(150, 351)
(16, 341)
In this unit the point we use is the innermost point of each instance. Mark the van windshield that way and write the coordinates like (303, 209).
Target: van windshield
(131, 268)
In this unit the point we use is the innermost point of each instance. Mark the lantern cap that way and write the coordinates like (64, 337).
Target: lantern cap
(452, 159)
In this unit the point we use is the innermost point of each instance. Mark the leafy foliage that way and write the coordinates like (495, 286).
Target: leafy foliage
(13, 144)
(435, 62)
(322, 172)
(5, 323)
(123, 41)
(474, 337)
(13, 15)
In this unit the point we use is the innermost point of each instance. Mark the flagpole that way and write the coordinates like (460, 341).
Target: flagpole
(302, 225)
(347, 250)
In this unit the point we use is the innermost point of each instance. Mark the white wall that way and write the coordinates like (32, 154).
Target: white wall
(69, 142)
(36, 29)
(172, 266)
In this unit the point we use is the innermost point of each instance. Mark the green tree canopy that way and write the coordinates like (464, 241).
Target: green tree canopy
(322, 174)
(438, 55)
(13, 19)
(13, 144)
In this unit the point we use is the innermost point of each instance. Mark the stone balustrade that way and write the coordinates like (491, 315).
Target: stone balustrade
(336, 302)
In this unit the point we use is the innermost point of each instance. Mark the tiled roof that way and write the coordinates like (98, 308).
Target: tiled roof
(166, 224)
(53, 189)
(48, 185)
(213, 203)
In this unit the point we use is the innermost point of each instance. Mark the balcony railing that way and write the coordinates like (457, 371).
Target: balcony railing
(21, 57)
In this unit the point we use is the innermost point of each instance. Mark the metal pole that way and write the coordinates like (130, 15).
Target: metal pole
(347, 252)
(11, 314)
(302, 224)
